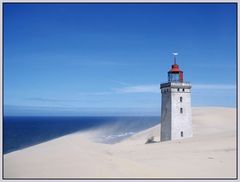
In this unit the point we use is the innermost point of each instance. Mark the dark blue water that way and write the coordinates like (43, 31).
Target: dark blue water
(22, 132)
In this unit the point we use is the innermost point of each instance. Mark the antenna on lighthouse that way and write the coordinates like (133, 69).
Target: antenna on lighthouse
(175, 54)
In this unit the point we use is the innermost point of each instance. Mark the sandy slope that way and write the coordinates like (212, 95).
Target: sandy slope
(210, 153)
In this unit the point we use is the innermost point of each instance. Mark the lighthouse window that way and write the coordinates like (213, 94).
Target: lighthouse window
(183, 89)
(181, 110)
(178, 89)
(181, 133)
(180, 99)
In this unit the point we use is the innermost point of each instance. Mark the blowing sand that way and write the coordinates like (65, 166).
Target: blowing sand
(211, 153)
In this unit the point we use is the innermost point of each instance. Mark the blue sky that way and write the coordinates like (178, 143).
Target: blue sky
(109, 59)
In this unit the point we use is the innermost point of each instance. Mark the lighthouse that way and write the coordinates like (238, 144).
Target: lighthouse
(176, 114)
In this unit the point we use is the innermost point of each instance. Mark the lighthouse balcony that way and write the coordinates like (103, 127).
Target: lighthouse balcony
(185, 85)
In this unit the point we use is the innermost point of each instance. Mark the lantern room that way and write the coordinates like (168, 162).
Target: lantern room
(175, 74)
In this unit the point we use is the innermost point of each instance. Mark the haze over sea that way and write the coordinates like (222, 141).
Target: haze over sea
(21, 132)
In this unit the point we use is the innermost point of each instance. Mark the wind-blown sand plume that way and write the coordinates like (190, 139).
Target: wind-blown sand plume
(211, 153)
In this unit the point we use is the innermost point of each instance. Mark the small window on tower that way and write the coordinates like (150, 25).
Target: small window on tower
(180, 99)
(181, 133)
(181, 110)
(178, 89)
(183, 89)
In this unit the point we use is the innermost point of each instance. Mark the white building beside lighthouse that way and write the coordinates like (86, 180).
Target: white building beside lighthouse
(176, 114)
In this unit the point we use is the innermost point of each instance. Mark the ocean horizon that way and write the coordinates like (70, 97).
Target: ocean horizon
(20, 132)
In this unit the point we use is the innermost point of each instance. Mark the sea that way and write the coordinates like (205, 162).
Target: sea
(25, 131)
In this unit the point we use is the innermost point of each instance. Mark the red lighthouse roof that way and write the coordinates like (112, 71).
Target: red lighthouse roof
(175, 68)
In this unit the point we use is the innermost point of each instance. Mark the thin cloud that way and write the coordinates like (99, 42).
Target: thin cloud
(120, 82)
(94, 93)
(215, 86)
(56, 100)
(46, 99)
(147, 88)
(153, 88)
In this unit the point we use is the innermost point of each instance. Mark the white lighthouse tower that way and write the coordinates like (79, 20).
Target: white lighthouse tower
(176, 114)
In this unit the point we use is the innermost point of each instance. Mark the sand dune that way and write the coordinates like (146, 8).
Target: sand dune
(211, 153)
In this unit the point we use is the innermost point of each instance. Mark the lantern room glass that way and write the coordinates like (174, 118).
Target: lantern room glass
(173, 77)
